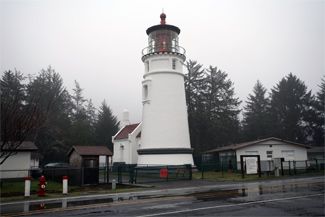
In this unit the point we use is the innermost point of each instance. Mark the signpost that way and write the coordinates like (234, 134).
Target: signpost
(164, 173)
(250, 164)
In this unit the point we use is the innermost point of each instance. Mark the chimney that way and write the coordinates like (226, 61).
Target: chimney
(126, 119)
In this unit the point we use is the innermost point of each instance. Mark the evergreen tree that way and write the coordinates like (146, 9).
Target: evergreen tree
(55, 105)
(106, 126)
(212, 108)
(256, 118)
(194, 87)
(81, 131)
(221, 109)
(290, 102)
(319, 130)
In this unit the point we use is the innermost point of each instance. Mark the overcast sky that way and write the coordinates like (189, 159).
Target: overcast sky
(99, 43)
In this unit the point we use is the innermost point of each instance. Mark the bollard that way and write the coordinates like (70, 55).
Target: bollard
(65, 184)
(27, 186)
(113, 184)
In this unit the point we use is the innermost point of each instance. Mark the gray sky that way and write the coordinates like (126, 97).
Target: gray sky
(99, 43)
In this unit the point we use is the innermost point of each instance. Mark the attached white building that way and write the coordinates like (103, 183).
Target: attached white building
(126, 143)
(19, 164)
(267, 149)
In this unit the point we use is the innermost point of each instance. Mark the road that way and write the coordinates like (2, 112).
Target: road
(291, 197)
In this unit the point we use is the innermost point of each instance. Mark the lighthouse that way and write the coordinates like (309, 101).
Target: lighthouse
(165, 136)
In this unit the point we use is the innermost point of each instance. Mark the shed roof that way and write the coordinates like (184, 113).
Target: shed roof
(91, 150)
(24, 146)
(125, 131)
(255, 142)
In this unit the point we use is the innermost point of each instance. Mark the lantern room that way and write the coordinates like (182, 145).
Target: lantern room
(163, 38)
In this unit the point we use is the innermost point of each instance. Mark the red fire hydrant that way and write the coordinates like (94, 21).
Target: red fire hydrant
(41, 186)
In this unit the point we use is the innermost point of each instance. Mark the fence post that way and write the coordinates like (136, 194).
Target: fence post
(119, 175)
(107, 174)
(202, 171)
(242, 166)
(282, 172)
(136, 175)
(189, 167)
(289, 167)
(306, 168)
(222, 168)
(317, 168)
(82, 176)
(294, 167)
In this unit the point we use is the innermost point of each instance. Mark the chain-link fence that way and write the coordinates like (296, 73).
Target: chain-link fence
(267, 168)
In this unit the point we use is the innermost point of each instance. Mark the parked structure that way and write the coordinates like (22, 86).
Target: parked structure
(267, 149)
(88, 156)
(19, 164)
(165, 133)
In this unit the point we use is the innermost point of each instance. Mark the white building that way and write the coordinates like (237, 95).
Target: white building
(165, 132)
(126, 143)
(19, 165)
(267, 149)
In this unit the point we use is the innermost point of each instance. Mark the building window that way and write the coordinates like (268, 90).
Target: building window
(147, 66)
(174, 64)
(251, 152)
(145, 92)
(269, 154)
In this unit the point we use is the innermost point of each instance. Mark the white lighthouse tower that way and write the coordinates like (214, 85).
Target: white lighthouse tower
(165, 134)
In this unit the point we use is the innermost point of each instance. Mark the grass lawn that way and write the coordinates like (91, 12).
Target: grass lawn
(14, 190)
(226, 176)
(17, 187)
(235, 176)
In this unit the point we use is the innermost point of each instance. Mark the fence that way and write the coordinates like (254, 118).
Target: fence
(267, 167)
(122, 173)
(131, 173)
(302, 167)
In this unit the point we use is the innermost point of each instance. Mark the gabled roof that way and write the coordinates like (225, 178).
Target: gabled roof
(24, 146)
(255, 142)
(91, 150)
(125, 131)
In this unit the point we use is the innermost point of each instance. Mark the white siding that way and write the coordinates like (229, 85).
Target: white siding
(128, 154)
(21, 162)
(279, 150)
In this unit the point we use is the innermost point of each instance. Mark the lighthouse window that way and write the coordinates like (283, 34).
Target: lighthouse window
(145, 92)
(147, 66)
(174, 64)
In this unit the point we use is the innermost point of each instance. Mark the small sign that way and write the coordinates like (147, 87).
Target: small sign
(163, 173)
(251, 165)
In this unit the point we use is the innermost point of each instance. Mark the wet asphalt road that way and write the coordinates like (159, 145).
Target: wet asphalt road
(300, 197)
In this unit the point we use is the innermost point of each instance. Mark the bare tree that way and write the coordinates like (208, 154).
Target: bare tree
(22, 114)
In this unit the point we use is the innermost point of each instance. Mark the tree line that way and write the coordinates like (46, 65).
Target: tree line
(40, 109)
(289, 111)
